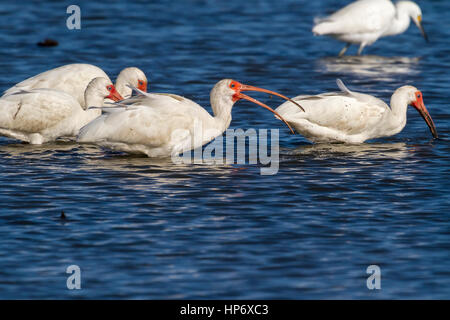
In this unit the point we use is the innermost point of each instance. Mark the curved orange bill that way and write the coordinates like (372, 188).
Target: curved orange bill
(114, 95)
(251, 88)
(420, 106)
(243, 96)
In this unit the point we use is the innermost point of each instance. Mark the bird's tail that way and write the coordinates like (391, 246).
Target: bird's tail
(323, 26)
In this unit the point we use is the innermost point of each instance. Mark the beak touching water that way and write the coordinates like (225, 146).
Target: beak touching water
(420, 106)
(114, 95)
(242, 87)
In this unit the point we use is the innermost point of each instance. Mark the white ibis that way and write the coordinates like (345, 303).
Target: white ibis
(37, 116)
(365, 21)
(352, 117)
(162, 125)
(74, 78)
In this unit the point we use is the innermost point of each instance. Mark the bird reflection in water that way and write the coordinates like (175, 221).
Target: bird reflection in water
(13, 149)
(369, 151)
(381, 68)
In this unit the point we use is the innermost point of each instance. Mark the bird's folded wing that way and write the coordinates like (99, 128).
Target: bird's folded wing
(334, 110)
(35, 111)
(138, 125)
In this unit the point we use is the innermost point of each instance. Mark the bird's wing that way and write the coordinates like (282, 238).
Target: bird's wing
(163, 101)
(152, 127)
(71, 78)
(343, 87)
(349, 113)
(156, 120)
(359, 17)
(361, 97)
(36, 110)
(156, 99)
(110, 109)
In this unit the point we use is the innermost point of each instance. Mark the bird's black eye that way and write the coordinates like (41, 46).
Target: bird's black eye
(109, 88)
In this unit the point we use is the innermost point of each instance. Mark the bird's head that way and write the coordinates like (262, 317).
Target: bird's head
(104, 88)
(415, 99)
(230, 91)
(415, 13)
(99, 89)
(132, 76)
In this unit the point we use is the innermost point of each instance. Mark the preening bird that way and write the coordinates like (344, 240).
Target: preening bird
(365, 21)
(42, 115)
(352, 117)
(162, 125)
(74, 78)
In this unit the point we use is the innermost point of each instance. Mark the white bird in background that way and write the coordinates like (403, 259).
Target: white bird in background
(363, 22)
(37, 116)
(352, 117)
(162, 125)
(74, 78)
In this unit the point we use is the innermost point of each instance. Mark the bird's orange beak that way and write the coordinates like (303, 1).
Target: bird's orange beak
(142, 85)
(114, 95)
(420, 106)
(239, 95)
(251, 88)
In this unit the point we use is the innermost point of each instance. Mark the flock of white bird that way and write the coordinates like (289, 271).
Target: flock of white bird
(80, 101)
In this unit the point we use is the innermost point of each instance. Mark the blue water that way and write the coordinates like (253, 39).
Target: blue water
(145, 228)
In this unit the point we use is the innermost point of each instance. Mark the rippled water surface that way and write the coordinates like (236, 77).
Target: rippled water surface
(143, 228)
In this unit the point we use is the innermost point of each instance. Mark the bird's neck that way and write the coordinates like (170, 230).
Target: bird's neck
(210, 127)
(401, 20)
(221, 107)
(92, 99)
(122, 88)
(397, 116)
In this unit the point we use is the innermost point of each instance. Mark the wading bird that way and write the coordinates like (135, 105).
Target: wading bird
(162, 125)
(352, 117)
(363, 22)
(74, 78)
(37, 116)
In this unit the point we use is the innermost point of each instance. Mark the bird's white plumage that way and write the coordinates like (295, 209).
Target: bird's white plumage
(365, 21)
(347, 116)
(41, 115)
(74, 78)
(145, 127)
(358, 19)
(160, 125)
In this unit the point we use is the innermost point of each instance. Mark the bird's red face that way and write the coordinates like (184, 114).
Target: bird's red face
(236, 86)
(142, 85)
(113, 94)
(238, 95)
(420, 106)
